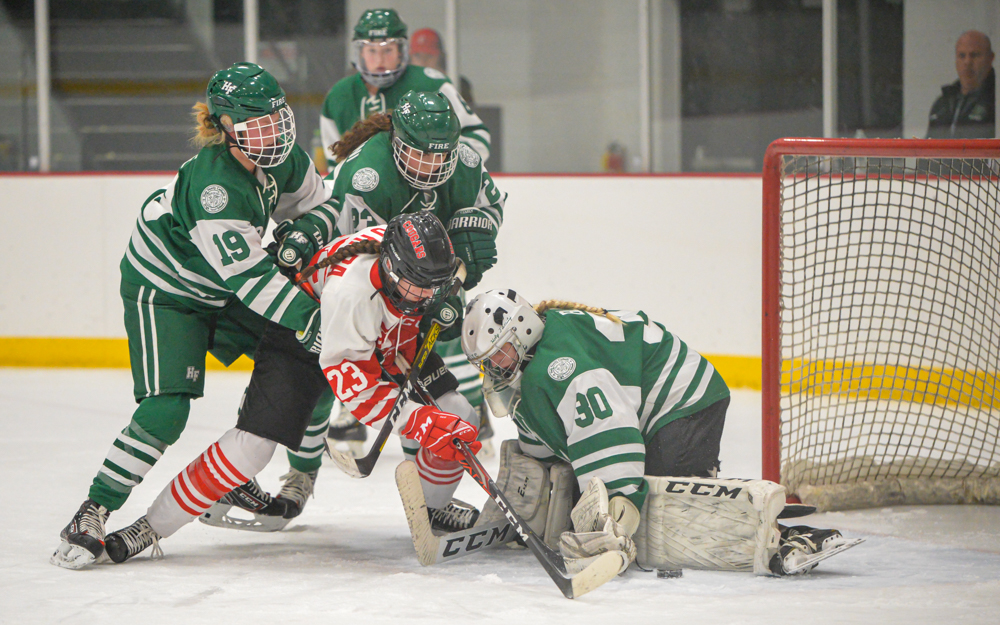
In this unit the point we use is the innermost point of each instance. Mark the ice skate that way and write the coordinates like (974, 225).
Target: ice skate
(83, 539)
(297, 488)
(133, 540)
(454, 517)
(263, 513)
(803, 547)
(348, 434)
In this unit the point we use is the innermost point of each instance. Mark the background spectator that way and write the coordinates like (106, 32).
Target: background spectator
(966, 108)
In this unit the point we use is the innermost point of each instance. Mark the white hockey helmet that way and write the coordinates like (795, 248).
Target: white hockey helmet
(492, 320)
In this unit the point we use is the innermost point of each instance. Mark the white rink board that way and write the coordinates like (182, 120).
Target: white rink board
(686, 249)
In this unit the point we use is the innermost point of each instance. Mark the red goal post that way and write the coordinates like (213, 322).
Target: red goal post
(881, 326)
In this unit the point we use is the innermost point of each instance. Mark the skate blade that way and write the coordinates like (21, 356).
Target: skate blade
(218, 516)
(72, 557)
(811, 561)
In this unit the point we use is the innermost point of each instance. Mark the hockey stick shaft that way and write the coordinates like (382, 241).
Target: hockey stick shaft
(362, 467)
(552, 562)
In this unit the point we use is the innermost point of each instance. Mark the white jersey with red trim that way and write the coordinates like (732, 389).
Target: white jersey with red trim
(357, 321)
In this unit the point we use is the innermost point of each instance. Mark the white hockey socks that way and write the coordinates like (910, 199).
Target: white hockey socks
(440, 478)
(236, 458)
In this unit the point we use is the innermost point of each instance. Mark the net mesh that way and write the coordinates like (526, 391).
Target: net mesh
(889, 329)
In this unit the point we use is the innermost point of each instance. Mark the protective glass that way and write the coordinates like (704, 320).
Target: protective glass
(423, 170)
(267, 140)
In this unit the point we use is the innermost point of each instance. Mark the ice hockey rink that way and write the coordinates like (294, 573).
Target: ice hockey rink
(349, 558)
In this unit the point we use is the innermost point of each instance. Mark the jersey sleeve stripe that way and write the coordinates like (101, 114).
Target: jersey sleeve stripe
(706, 378)
(682, 381)
(628, 464)
(279, 312)
(646, 409)
(606, 439)
(165, 286)
(280, 300)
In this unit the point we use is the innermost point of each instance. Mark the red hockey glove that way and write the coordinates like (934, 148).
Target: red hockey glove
(435, 430)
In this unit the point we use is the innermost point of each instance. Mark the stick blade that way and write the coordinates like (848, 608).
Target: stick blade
(600, 571)
(346, 463)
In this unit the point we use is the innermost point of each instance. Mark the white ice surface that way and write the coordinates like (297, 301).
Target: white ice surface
(349, 558)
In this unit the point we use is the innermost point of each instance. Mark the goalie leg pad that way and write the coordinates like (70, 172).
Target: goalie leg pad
(542, 496)
(711, 524)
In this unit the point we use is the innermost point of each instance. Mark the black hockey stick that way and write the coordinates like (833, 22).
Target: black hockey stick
(362, 467)
(572, 586)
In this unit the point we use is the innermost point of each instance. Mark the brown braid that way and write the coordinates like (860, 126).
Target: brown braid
(553, 304)
(357, 248)
(361, 131)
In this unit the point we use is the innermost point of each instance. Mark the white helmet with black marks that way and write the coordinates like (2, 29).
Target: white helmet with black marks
(499, 330)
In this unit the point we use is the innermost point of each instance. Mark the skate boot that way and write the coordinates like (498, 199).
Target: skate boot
(133, 540)
(799, 548)
(456, 516)
(83, 539)
(297, 488)
(264, 513)
(485, 432)
(348, 434)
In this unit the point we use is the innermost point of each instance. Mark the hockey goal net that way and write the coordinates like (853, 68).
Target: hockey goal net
(881, 327)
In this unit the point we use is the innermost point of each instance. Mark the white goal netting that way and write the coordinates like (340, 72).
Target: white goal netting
(889, 330)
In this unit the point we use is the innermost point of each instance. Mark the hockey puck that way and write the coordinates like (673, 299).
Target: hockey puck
(669, 573)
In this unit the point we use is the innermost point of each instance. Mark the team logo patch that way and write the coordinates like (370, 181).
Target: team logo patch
(447, 314)
(214, 198)
(365, 179)
(469, 156)
(562, 368)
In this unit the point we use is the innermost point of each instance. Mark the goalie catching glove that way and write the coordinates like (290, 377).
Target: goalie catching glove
(473, 233)
(600, 526)
(435, 430)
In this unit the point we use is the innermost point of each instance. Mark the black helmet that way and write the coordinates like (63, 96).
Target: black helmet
(416, 248)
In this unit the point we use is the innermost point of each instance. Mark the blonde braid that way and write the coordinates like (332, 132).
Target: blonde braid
(205, 130)
(367, 246)
(553, 304)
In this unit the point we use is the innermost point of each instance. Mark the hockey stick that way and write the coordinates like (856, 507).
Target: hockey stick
(598, 572)
(435, 548)
(362, 467)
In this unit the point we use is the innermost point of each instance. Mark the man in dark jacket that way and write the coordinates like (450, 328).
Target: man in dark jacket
(966, 108)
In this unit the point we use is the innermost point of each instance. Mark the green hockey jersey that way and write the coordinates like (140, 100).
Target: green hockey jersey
(596, 392)
(199, 238)
(349, 101)
(369, 190)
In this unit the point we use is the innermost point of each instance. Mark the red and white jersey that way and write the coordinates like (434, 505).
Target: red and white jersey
(358, 320)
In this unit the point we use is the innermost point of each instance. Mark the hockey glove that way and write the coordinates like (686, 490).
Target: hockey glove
(299, 242)
(311, 337)
(435, 430)
(473, 233)
(449, 317)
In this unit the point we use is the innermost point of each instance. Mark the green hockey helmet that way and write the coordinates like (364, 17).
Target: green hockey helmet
(263, 123)
(379, 47)
(425, 132)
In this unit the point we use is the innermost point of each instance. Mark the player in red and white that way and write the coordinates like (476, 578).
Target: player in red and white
(373, 287)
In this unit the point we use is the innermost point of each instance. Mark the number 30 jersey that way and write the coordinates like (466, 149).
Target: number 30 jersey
(198, 239)
(597, 391)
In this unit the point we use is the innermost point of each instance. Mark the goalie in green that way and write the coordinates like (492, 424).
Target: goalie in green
(638, 416)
